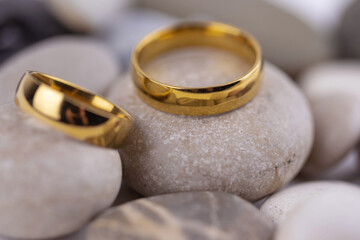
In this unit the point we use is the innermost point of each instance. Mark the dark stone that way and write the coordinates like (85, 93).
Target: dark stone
(349, 31)
(23, 22)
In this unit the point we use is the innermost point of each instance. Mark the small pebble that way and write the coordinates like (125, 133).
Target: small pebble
(278, 206)
(332, 215)
(333, 90)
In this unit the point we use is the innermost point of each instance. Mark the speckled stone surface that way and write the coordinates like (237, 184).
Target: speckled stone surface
(183, 216)
(251, 151)
(80, 60)
(332, 215)
(52, 185)
(333, 90)
(278, 206)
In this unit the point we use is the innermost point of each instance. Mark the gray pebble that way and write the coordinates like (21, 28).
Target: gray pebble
(183, 216)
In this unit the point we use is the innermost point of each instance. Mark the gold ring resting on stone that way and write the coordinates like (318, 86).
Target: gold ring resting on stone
(197, 101)
(73, 110)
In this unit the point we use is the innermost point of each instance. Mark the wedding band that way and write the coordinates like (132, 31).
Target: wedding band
(73, 110)
(197, 101)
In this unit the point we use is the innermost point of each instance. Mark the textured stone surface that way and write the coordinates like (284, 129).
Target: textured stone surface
(287, 41)
(81, 60)
(84, 15)
(333, 90)
(182, 216)
(251, 151)
(22, 22)
(52, 185)
(332, 215)
(349, 33)
(278, 206)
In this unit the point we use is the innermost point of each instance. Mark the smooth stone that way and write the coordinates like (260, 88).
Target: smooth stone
(79, 235)
(183, 216)
(278, 206)
(83, 61)
(312, 13)
(287, 41)
(23, 22)
(52, 184)
(84, 15)
(333, 90)
(349, 33)
(129, 27)
(251, 151)
(332, 215)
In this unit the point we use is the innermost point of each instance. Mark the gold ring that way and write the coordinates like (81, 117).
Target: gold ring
(73, 110)
(197, 101)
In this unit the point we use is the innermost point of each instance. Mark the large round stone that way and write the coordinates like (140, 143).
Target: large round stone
(183, 216)
(51, 185)
(80, 60)
(251, 151)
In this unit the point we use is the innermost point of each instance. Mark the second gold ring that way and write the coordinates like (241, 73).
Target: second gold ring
(197, 101)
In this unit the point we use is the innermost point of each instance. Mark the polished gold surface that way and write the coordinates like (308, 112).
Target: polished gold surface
(197, 101)
(73, 110)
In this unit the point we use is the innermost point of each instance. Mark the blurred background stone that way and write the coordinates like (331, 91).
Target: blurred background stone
(251, 151)
(322, 16)
(51, 185)
(349, 31)
(23, 22)
(79, 235)
(278, 206)
(333, 214)
(80, 60)
(182, 216)
(286, 40)
(129, 27)
(346, 169)
(84, 15)
(333, 89)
